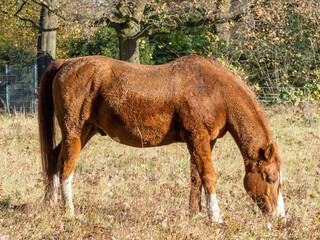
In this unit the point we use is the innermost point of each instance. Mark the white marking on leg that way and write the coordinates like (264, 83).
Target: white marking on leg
(67, 194)
(280, 208)
(213, 208)
(116, 139)
(56, 181)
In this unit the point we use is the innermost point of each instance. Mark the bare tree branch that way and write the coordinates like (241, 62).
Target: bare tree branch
(34, 25)
(107, 21)
(151, 30)
(20, 8)
(45, 5)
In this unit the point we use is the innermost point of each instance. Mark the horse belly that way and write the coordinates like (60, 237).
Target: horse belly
(140, 132)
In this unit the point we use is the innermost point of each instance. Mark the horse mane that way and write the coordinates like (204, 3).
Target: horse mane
(250, 99)
(247, 92)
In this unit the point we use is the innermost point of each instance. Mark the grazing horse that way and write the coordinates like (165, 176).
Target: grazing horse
(191, 99)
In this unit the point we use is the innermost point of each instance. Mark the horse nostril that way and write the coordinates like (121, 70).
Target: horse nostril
(271, 180)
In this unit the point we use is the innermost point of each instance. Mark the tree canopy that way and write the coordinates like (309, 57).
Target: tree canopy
(17, 38)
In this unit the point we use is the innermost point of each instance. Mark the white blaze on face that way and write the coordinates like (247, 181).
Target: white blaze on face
(280, 208)
(213, 208)
(67, 194)
(116, 139)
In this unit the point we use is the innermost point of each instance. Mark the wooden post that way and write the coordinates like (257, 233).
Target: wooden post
(35, 88)
(7, 91)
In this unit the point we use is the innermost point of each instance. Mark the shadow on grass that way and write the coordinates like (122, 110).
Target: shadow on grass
(6, 204)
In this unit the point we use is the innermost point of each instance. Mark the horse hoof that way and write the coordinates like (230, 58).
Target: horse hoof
(69, 211)
(219, 220)
(216, 218)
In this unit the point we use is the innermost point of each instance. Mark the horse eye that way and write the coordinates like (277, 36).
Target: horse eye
(271, 180)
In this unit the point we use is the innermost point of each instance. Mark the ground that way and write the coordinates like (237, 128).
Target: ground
(127, 193)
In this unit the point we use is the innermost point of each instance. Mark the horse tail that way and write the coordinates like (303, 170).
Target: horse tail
(46, 121)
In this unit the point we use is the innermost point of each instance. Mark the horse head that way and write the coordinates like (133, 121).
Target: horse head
(263, 180)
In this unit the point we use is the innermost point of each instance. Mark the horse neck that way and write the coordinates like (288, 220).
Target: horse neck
(248, 126)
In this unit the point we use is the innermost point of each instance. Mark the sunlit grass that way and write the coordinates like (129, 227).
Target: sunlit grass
(127, 193)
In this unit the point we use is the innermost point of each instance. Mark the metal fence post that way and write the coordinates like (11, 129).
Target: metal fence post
(7, 90)
(35, 88)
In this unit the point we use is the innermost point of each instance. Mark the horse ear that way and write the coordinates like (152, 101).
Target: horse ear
(269, 152)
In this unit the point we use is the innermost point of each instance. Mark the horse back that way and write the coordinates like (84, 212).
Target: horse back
(132, 102)
(161, 103)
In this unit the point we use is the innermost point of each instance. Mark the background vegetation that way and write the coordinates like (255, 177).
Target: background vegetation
(273, 45)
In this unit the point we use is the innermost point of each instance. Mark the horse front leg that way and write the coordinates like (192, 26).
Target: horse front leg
(196, 185)
(200, 151)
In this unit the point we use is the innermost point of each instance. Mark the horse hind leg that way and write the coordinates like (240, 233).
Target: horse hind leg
(70, 150)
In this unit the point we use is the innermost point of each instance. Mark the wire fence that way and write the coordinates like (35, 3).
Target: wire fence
(271, 95)
(19, 89)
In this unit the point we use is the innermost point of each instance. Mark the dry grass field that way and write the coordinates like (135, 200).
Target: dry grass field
(127, 193)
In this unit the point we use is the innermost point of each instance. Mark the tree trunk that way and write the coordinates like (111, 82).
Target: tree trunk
(128, 34)
(223, 30)
(46, 50)
(128, 43)
(232, 7)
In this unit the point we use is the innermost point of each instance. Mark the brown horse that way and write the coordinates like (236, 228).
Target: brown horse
(192, 100)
